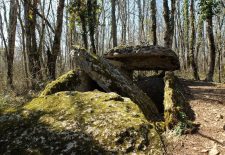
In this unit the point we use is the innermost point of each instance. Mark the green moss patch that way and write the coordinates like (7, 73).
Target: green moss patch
(75, 122)
(74, 80)
(64, 82)
(175, 106)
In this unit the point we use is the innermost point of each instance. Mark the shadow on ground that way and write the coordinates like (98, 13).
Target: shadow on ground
(207, 92)
(188, 95)
(29, 136)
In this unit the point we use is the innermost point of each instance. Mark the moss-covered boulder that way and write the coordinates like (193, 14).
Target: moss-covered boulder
(74, 80)
(78, 122)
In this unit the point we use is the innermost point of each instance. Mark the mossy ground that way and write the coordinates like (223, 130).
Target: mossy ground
(89, 122)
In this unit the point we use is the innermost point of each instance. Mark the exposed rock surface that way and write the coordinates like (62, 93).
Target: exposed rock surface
(154, 88)
(143, 58)
(170, 99)
(175, 106)
(109, 78)
(81, 123)
(72, 80)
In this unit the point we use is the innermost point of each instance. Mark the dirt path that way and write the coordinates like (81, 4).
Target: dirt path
(207, 100)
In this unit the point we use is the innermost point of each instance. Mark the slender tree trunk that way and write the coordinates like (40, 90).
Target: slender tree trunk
(28, 39)
(91, 7)
(31, 45)
(212, 49)
(154, 22)
(192, 42)
(3, 37)
(123, 10)
(114, 27)
(24, 48)
(219, 46)
(57, 40)
(37, 64)
(219, 65)
(172, 20)
(186, 32)
(166, 15)
(134, 28)
(205, 61)
(169, 22)
(84, 31)
(11, 41)
(200, 37)
(180, 36)
(103, 30)
(83, 21)
(140, 21)
(42, 36)
(71, 37)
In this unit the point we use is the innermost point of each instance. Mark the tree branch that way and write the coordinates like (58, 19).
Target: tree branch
(46, 20)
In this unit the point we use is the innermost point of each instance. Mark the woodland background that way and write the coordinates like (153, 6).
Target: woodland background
(36, 36)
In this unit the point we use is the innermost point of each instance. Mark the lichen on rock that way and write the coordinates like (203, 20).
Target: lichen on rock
(80, 122)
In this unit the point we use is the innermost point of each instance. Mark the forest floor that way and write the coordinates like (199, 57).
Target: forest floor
(207, 101)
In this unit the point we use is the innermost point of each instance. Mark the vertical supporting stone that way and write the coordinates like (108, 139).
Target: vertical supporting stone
(174, 102)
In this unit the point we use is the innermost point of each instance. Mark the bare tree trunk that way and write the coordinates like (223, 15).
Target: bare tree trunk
(219, 46)
(140, 21)
(133, 22)
(24, 47)
(186, 32)
(200, 36)
(205, 61)
(169, 22)
(91, 7)
(180, 36)
(154, 21)
(2, 35)
(71, 36)
(192, 41)
(33, 22)
(103, 30)
(83, 21)
(212, 49)
(114, 27)
(11, 41)
(31, 45)
(4, 40)
(42, 35)
(57, 40)
(123, 14)
(219, 64)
